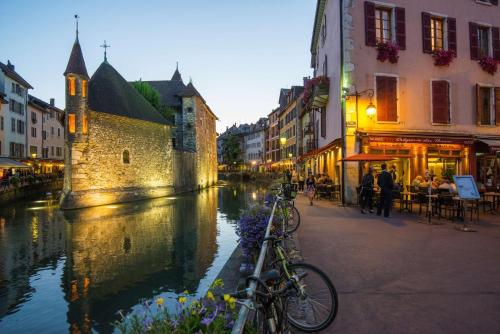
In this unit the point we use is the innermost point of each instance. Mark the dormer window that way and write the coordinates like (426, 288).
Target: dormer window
(72, 86)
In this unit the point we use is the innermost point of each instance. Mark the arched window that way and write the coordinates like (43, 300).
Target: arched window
(126, 157)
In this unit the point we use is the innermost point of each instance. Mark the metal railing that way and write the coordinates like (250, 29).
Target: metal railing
(239, 325)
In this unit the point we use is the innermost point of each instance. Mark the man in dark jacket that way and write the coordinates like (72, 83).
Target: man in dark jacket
(366, 191)
(385, 184)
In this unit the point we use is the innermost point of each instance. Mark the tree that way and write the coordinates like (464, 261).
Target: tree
(231, 150)
(154, 98)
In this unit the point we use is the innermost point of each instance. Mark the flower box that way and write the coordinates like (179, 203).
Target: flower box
(443, 57)
(489, 64)
(388, 51)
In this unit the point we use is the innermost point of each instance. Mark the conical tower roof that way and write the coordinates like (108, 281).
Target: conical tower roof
(76, 63)
(176, 76)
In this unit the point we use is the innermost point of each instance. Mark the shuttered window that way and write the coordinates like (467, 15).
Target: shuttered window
(434, 34)
(387, 98)
(380, 27)
(485, 105)
(497, 106)
(323, 122)
(495, 36)
(441, 102)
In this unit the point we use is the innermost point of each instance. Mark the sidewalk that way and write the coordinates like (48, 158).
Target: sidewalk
(398, 276)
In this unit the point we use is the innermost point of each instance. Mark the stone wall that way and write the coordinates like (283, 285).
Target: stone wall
(184, 171)
(99, 175)
(206, 145)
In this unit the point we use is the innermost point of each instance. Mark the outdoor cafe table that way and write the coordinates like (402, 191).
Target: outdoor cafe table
(496, 199)
(434, 205)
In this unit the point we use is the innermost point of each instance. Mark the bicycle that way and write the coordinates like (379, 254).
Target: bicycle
(286, 205)
(313, 303)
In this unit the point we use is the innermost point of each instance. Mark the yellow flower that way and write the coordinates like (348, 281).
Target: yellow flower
(182, 300)
(185, 292)
(210, 295)
(217, 283)
(227, 298)
(231, 301)
(160, 301)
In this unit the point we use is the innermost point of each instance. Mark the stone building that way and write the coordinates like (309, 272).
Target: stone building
(119, 148)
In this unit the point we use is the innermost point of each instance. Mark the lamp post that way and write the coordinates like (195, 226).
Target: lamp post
(371, 111)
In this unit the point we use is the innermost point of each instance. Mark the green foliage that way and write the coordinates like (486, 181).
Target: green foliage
(154, 98)
(231, 150)
(15, 181)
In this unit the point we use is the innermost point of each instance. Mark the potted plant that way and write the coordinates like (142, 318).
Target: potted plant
(443, 57)
(318, 85)
(489, 64)
(388, 51)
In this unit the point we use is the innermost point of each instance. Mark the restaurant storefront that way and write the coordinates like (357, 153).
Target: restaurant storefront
(325, 160)
(413, 155)
(486, 167)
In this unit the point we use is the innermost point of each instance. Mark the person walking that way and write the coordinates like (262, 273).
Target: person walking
(301, 181)
(386, 183)
(366, 191)
(310, 188)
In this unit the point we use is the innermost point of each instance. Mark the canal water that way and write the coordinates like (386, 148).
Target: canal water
(74, 271)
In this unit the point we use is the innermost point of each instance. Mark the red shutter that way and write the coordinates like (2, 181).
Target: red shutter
(478, 105)
(387, 100)
(497, 105)
(452, 34)
(381, 98)
(495, 34)
(401, 28)
(426, 33)
(370, 33)
(474, 47)
(392, 102)
(440, 102)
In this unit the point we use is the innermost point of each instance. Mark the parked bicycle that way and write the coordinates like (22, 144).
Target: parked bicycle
(285, 197)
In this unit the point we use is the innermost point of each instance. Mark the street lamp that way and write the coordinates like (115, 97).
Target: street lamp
(290, 155)
(371, 109)
(282, 141)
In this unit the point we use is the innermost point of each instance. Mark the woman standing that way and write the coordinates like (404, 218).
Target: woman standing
(310, 188)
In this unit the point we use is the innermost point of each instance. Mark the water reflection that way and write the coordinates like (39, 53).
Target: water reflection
(73, 271)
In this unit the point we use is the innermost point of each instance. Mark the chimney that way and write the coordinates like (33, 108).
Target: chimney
(52, 102)
(10, 65)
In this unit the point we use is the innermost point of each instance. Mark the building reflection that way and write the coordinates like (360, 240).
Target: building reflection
(113, 255)
(120, 254)
(30, 239)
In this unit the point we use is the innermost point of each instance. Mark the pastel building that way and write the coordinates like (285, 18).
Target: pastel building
(428, 67)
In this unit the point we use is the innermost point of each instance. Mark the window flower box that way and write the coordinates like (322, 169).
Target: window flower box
(443, 57)
(489, 64)
(316, 92)
(388, 51)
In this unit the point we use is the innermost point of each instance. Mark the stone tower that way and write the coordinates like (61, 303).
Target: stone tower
(76, 118)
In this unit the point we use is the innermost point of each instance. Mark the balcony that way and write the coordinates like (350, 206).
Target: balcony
(320, 95)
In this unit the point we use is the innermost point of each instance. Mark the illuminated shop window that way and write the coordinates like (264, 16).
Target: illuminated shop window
(85, 126)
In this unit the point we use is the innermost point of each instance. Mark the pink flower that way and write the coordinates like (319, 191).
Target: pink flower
(443, 57)
(489, 64)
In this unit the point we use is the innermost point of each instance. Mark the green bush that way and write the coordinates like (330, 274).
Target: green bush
(15, 181)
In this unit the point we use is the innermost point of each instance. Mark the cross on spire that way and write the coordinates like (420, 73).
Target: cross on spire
(105, 46)
(76, 20)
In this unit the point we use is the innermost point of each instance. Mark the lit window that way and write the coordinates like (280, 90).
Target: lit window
(84, 88)
(85, 126)
(126, 157)
(71, 123)
(437, 33)
(72, 86)
(383, 25)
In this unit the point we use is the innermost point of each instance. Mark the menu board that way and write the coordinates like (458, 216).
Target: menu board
(466, 187)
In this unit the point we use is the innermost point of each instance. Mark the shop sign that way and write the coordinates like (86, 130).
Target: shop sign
(420, 140)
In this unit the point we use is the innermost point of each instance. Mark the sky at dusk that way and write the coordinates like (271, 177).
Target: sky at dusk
(238, 53)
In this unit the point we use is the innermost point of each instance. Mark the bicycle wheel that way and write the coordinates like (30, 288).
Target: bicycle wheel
(293, 218)
(314, 304)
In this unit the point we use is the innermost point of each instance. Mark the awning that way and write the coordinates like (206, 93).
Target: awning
(493, 144)
(9, 163)
(369, 157)
(332, 144)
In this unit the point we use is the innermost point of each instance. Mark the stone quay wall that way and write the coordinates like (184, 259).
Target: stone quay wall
(206, 145)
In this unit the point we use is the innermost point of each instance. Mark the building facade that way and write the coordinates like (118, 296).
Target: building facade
(254, 145)
(273, 155)
(15, 88)
(431, 114)
(289, 125)
(118, 148)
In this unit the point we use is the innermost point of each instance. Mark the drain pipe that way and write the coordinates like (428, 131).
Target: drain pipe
(342, 102)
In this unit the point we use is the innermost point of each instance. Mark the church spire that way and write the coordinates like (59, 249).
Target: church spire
(76, 63)
(177, 74)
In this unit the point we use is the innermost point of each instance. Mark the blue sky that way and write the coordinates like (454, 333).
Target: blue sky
(239, 53)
